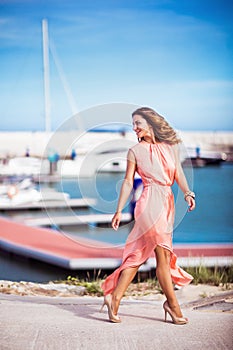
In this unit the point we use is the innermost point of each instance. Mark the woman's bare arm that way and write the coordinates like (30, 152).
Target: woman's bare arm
(181, 180)
(126, 189)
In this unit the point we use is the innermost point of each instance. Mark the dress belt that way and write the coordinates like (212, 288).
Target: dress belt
(156, 184)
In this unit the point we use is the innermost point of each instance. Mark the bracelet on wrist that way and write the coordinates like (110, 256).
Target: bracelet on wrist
(189, 194)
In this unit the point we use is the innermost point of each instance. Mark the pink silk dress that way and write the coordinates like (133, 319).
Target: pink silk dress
(154, 212)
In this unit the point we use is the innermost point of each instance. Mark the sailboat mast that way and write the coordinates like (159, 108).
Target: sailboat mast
(46, 76)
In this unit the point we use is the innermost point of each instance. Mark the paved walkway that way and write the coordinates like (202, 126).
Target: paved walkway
(44, 323)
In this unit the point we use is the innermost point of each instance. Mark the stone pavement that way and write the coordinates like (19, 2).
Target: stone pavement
(75, 323)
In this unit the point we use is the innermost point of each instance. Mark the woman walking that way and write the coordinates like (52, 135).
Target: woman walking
(156, 159)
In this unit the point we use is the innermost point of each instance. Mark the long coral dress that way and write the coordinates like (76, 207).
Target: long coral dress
(154, 212)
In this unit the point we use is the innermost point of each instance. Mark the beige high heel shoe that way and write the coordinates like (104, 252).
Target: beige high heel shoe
(108, 303)
(175, 319)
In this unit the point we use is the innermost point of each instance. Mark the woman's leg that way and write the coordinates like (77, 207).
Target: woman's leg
(125, 279)
(164, 276)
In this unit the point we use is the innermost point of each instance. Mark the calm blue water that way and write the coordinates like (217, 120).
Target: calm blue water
(211, 222)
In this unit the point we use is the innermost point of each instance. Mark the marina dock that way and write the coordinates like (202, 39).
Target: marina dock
(64, 250)
(57, 248)
(69, 203)
(75, 220)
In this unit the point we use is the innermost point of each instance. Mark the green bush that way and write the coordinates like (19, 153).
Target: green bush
(211, 275)
(93, 286)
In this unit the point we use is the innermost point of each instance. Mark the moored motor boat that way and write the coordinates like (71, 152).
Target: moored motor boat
(13, 195)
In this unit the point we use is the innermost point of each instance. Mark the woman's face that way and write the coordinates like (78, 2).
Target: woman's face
(141, 127)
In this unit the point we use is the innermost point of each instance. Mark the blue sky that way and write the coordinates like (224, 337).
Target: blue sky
(174, 56)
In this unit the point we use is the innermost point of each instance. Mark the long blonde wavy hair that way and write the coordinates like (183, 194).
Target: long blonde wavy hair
(163, 132)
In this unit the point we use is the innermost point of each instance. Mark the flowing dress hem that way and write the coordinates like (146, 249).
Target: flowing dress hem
(178, 275)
